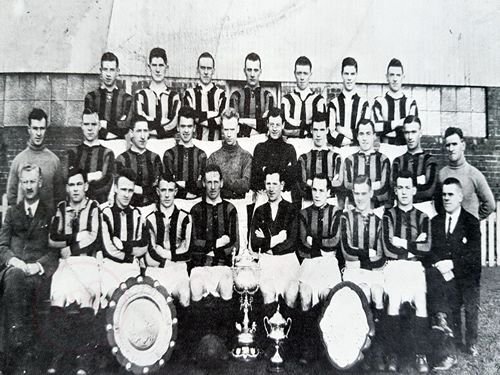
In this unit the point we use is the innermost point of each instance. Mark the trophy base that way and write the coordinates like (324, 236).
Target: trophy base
(275, 368)
(245, 353)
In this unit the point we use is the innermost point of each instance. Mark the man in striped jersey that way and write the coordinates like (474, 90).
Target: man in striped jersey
(213, 241)
(252, 102)
(207, 99)
(157, 103)
(302, 105)
(146, 163)
(124, 235)
(96, 160)
(369, 162)
(360, 238)
(320, 160)
(169, 238)
(390, 110)
(406, 236)
(185, 162)
(348, 108)
(74, 232)
(421, 164)
(113, 105)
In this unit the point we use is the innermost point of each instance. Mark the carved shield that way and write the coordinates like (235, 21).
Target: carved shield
(346, 325)
(141, 325)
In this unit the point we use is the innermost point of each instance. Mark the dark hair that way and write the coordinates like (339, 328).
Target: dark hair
(303, 60)
(272, 169)
(230, 113)
(407, 174)
(110, 56)
(75, 171)
(365, 122)
(411, 119)
(37, 114)
(323, 176)
(127, 173)
(206, 55)
(320, 117)
(137, 118)
(212, 168)
(453, 130)
(187, 112)
(167, 177)
(396, 63)
(252, 56)
(362, 179)
(158, 52)
(452, 181)
(275, 112)
(349, 61)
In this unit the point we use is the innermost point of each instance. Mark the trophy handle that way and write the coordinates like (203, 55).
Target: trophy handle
(289, 324)
(266, 323)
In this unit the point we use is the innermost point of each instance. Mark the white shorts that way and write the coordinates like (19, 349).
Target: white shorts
(278, 271)
(174, 276)
(114, 273)
(319, 274)
(404, 279)
(211, 277)
(76, 279)
(359, 276)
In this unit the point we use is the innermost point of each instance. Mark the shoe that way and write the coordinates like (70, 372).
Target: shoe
(55, 363)
(84, 364)
(446, 363)
(421, 364)
(378, 361)
(440, 324)
(472, 350)
(392, 363)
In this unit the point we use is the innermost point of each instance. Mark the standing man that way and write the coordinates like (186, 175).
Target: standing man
(74, 233)
(146, 163)
(477, 196)
(371, 163)
(406, 235)
(185, 162)
(96, 160)
(157, 103)
(390, 110)
(252, 102)
(52, 189)
(274, 152)
(302, 105)
(207, 100)
(113, 105)
(348, 108)
(27, 265)
(422, 165)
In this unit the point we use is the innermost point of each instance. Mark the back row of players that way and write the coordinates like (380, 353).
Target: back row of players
(297, 246)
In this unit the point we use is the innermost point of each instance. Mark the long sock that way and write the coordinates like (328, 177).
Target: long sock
(392, 334)
(421, 334)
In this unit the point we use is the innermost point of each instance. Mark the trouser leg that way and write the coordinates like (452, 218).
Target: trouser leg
(471, 296)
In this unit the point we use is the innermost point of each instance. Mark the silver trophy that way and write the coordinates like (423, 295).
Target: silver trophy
(246, 273)
(278, 331)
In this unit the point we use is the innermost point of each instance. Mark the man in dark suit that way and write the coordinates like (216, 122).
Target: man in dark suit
(453, 272)
(26, 265)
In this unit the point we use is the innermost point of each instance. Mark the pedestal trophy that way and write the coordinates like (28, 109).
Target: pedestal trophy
(246, 283)
(278, 332)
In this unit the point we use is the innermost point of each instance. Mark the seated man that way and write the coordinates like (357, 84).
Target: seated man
(273, 234)
(454, 273)
(364, 255)
(146, 164)
(169, 237)
(97, 161)
(27, 265)
(214, 239)
(185, 162)
(369, 162)
(406, 236)
(124, 235)
(76, 282)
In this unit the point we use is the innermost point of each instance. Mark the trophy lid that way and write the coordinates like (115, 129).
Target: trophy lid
(277, 319)
(245, 258)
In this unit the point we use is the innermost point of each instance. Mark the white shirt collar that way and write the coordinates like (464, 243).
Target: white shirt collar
(33, 206)
(454, 219)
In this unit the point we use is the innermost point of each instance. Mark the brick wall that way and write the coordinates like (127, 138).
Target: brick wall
(475, 110)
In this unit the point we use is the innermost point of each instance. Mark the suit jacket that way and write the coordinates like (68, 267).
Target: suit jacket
(27, 239)
(463, 246)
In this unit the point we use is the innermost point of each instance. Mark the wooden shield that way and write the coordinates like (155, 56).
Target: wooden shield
(346, 325)
(141, 325)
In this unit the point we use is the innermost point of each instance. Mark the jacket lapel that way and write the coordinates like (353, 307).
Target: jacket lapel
(37, 218)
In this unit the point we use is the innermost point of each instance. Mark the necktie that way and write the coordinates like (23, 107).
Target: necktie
(448, 232)
(30, 213)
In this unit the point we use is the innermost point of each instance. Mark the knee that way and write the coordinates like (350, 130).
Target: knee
(14, 280)
(268, 292)
(196, 287)
(225, 287)
(305, 293)
(184, 295)
(291, 294)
